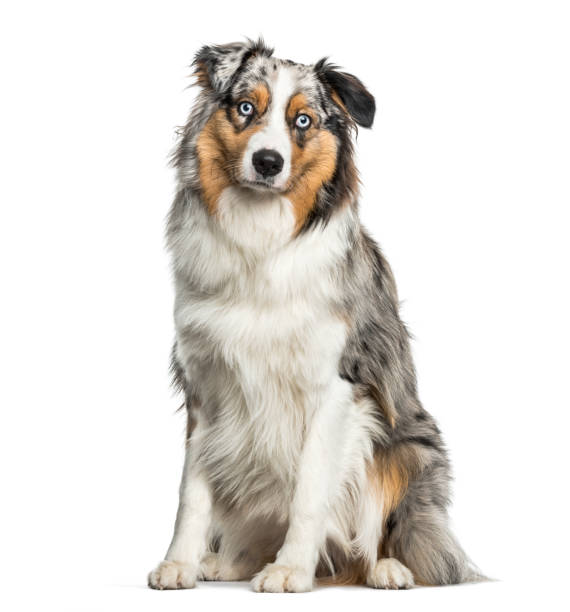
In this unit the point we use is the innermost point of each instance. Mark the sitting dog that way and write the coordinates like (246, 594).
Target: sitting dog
(309, 455)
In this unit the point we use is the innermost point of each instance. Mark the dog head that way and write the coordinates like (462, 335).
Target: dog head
(278, 126)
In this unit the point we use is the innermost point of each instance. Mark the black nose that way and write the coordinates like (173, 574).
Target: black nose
(267, 162)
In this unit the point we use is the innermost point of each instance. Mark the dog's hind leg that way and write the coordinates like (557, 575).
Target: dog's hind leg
(419, 536)
(379, 573)
(410, 482)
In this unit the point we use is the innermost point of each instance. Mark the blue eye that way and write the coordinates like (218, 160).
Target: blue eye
(245, 109)
(303, 122)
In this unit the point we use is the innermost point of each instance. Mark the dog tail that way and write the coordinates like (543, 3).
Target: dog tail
(427, 546)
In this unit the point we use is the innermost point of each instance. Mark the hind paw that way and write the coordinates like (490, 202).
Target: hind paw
(390, 574)
(213, 568)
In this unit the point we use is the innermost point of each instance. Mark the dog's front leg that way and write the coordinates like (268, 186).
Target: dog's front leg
(180, 568)
(318, 482)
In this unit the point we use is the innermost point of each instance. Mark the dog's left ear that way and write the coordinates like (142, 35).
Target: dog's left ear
(354, 96)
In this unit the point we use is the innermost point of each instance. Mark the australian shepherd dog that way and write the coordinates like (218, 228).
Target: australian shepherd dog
(309, 456)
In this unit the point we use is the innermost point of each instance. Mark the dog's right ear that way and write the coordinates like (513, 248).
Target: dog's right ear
(216, 66)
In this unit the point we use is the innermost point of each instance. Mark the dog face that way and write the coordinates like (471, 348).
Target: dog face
(277, 126)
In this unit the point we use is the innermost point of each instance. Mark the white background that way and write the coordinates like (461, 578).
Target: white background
(466, 186)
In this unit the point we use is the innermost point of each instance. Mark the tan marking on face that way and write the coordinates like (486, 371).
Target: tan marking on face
(298, 104)
(312, 164)
(260, 98)
(311, 167)
(220, 147)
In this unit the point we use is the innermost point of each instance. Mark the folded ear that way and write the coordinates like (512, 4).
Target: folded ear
(356, 99)
(217, 65)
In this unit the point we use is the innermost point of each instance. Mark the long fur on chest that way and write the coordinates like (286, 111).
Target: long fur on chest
(261, 327)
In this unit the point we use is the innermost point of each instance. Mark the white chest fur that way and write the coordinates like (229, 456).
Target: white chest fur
(257, 325)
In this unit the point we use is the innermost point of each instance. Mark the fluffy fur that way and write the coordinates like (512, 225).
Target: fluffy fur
(309, 454)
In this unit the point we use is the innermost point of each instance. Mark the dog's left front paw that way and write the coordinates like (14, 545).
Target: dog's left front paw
(274, 578)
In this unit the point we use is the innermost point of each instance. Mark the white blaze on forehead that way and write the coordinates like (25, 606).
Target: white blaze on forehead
(275, 134)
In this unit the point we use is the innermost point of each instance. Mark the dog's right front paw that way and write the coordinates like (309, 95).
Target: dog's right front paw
(172, 575)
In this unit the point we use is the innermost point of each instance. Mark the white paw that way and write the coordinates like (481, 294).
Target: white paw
(390, 574)
(275, 578)
(172, 575)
